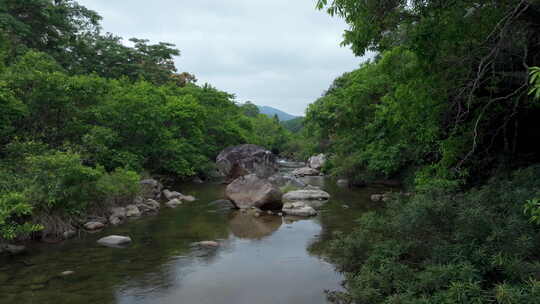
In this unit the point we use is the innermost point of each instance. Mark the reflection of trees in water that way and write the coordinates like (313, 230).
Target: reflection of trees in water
(247, 226)
(161, 247)
(345, 207)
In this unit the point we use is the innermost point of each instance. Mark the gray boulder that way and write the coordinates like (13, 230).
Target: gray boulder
(172, 194)
(118, 215)
(312, 198)
(298, 209)
(311, 187)
(151, 188)
(115, 241)
(149, 206)
(251, 191)
(291, 164)
(305, 172)
(93, 226)
(173, 203)
(12, 249)
(118, 212)
(317, 161)
(237, 161)
(132, 211)
(207, 244)
(69, 234)
(188, 198)
(115, 220)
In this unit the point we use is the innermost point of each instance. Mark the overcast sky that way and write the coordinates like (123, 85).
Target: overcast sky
(280, 53)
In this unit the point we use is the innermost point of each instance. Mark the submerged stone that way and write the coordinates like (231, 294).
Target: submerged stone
(115, 241)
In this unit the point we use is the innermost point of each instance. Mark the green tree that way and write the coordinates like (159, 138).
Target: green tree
(250, 109)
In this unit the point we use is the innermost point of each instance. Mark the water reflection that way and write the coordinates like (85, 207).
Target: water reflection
(247, 226)
(318, 181)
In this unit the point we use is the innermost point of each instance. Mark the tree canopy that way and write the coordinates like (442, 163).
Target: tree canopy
(82, 116)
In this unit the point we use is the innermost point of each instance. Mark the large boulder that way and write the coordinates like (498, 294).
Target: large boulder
(306, 172)
(313, 198)
(251, 191)
(317, 161)
(237, 161)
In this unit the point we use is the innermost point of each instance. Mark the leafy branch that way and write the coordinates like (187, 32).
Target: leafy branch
(535, 82)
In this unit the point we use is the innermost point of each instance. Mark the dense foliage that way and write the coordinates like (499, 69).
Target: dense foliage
(448, 105)
(294, 125)
(476, 247)
(82, 116)
(446, 92)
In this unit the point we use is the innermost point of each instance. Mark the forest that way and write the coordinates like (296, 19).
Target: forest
(83, 116)
(447, 105)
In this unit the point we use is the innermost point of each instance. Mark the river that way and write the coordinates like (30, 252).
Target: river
(267, 259)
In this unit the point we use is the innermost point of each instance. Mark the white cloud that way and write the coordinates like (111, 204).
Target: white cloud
(278, 53)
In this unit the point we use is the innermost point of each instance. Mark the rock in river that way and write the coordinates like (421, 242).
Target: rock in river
(312, 198)
(298, 209)
(317, 161)
(115, 241)
(305, 172)
(206, 244)
(172, 194)
(241, 160)
(12, 249)
(93, 226)
(151, 188)
(174, 203)
(149, 206)
(132, 211)
(251, 191)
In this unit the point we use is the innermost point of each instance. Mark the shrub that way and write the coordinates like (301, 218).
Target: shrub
(440, 247)
(14, 212)
(118, 187)
(59, 181)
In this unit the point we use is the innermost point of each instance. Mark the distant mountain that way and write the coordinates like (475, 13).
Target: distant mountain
(269, 111)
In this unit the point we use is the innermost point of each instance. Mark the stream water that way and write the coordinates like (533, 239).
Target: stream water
(267, 259)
